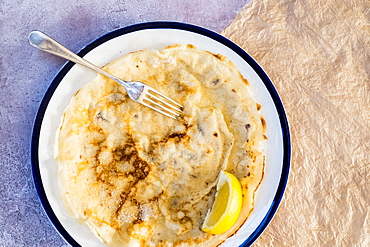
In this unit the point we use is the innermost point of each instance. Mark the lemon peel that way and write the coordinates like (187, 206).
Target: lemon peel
(227, 205)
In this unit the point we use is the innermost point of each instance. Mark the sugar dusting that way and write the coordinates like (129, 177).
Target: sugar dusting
(146, 212)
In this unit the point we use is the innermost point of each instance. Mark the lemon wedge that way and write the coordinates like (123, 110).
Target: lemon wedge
(226, 207)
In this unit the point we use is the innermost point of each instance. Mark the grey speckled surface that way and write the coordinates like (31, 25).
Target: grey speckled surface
(25, 74)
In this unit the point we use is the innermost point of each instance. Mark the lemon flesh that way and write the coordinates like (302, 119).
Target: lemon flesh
(226, 207)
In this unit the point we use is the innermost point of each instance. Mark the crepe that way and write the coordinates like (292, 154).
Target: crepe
(138, 178)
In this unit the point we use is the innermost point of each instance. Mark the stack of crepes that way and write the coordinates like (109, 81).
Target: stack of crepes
(317, 53)
(138, 178)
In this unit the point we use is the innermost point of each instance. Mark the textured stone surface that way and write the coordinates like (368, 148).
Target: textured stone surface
(25, 74)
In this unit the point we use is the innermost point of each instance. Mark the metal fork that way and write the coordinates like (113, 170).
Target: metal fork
(137, 90)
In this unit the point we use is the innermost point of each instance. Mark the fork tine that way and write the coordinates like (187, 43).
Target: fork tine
(161, 106)
(161, 103)
(176, 106)
(158, 110)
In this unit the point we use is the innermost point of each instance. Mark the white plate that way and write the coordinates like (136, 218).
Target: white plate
(158, 35)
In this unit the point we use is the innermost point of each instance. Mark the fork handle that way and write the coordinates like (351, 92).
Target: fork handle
(46, 43)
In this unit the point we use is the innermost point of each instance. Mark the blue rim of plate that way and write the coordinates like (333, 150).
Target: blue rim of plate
(163, 25)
